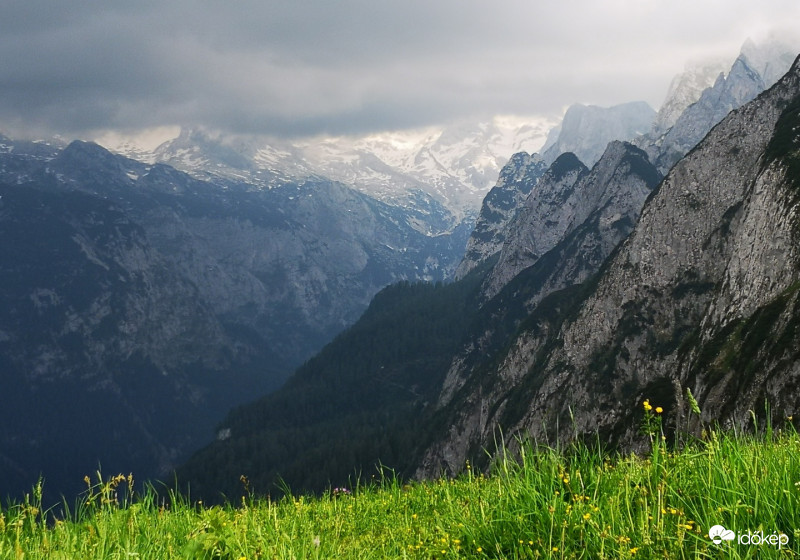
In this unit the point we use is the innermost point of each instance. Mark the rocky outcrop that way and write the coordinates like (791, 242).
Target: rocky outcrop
(552, 209)
(702, 295)
(684, 90)
(517, 179)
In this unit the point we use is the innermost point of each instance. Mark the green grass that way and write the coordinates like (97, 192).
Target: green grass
(575, 503)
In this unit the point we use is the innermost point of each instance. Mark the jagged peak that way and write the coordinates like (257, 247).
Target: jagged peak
(519, 158)
(565, 163)
(702, 294)
(795, 67)
(769, 57)
(617, 149)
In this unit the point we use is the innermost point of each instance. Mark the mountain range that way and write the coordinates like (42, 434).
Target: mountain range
(702, 296)
(144, 297)
(670, 136)
(141, 303)
(448, 167)
(651, 287)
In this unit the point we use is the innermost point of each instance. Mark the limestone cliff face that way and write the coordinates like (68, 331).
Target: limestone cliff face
(542, 220)
(702, 295)
(567, 195)
(517, 179)
(685, 89)
(571, 223)
(756, 68)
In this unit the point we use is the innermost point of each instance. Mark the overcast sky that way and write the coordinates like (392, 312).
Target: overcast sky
(301, 67)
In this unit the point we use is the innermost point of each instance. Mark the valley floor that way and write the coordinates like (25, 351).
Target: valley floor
(743, 491)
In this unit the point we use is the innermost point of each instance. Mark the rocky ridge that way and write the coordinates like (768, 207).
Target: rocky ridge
(569, 226)
(612, 194)
(702, 295)
(439, 173)
(684, 90)
(757, 67)
(517, 179)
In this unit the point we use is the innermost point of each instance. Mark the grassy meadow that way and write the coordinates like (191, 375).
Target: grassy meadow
(573, 503)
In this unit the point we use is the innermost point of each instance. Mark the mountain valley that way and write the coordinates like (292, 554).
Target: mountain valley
(135, 287)
(619, 308)
(422, 310)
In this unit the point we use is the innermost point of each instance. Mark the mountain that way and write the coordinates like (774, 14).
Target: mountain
(151, 302)
(570, 224)
(587, 129)
(366, 398)
(441, 173)
(699, 291)
(684, 90)
(108, 356)
(612, 194)
(701, 295)
(542, 220)
(500, 206)
(455, 165)
(756, 68)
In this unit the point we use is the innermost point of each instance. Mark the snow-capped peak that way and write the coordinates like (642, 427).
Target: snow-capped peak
(455, 165)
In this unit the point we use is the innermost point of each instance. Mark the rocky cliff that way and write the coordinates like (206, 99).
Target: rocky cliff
(569, 226)
(702, 295)
(612, 193)
(757, 67)
(684, 90)
(517, 179)
(541, 220)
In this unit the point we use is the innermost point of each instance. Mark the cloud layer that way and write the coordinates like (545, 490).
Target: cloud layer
(299, 67)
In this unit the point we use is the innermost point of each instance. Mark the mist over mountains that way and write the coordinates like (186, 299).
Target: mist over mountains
(144, 297)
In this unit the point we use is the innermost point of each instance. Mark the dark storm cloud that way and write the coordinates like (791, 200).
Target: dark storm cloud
(303, 67)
